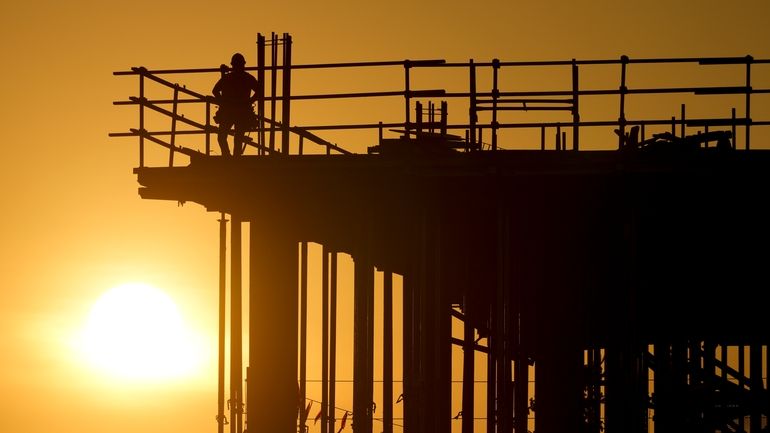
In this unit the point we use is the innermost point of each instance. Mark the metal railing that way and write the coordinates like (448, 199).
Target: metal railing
(486, 109)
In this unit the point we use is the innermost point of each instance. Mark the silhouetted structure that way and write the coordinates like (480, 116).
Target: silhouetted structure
(629, 281)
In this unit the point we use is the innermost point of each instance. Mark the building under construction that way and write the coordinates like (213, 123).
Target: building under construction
(619, 290)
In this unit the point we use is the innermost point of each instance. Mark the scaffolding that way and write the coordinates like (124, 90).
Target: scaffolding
(559, 262)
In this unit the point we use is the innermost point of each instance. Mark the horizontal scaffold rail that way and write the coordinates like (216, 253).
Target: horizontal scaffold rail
(486, 107)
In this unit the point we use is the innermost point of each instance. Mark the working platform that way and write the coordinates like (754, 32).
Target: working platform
(677, 227)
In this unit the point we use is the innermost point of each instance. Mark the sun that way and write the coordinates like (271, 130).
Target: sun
(136, 332)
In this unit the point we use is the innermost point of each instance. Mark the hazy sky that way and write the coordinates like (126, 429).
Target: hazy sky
(73, 225)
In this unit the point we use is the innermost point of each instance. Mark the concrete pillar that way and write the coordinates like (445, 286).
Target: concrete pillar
(273, 302)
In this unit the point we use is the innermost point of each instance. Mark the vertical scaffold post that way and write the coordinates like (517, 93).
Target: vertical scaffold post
(767, 381)
(495, 97)
(756, 386)
(469, 353)
(261, 89)
(502, 323)
(222, 302)
(286, 94)
(491, 372)
(472, 118)
(418, 117)
(749, 61)
(273, 85)
(387, 353)
(172, 139)
(208, 128)
(682, 121)
(431, 116)
(408, 375)
(623, 89)
(362, 344)
(444, 115)
(302, 335)
(236, 334)
(141, 116)
(407, 97)
(575, 106)
(332, 341)
(324, 339)
(734, 128)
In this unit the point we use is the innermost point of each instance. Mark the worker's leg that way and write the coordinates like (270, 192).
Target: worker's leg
(224, 128)
(238, 140)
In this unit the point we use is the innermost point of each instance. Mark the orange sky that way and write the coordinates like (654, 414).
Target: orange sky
(73, 225)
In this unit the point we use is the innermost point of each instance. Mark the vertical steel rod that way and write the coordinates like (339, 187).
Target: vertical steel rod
(407, 97)
(408, 353)
(734, 129)
(273, 85)
(749, 60)
(236, 335)
(261, 89)
(757, 386)
(332, 340)
(469, 353)
(222, 308)
(495, 97)
(286, 94)
(623, 90)
(444, 116)
(491, 373)
(387, 353)
(324, 339)
(208, 128)
(418, 117)
(472, 118)
(141, 116)
(575, 106)
(302, 335)
(172, 139)
(682, 120)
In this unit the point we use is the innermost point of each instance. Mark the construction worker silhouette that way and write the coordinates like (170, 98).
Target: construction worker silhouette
(235, 93)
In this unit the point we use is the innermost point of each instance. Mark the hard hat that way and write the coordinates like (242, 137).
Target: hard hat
(238, 59)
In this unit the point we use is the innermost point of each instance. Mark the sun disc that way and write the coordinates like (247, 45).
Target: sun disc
(135, 331)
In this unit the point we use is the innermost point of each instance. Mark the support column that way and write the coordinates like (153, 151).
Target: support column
(236, 331)
(324, 339)
(435, 332)
(469, 354)
(363, 349)
(491, 374)
(387, 353)
(410, 400)
(332, 341)
(756, 386)
(273, 305)
(303, 336)
(222, 308)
